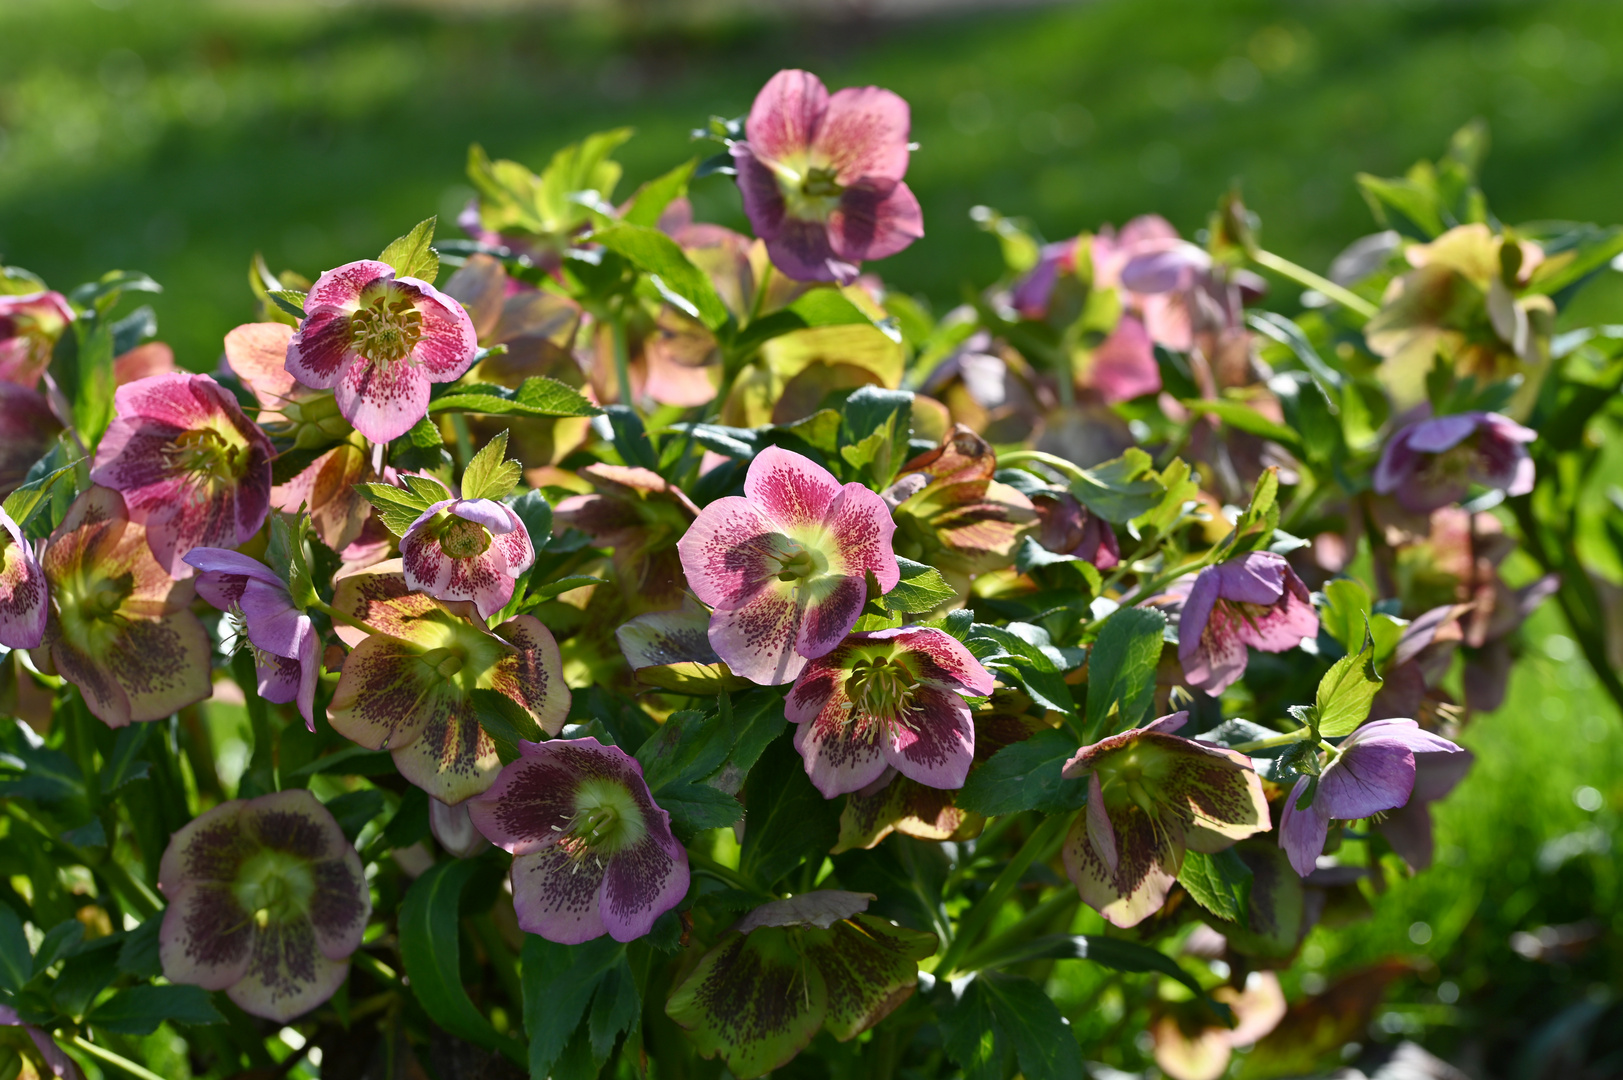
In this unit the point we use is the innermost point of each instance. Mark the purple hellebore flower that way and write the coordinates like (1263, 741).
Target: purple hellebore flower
(1373, 771)
(60, 1065)
(24, 598)
(1152, 797)
(194, 471)
(1408, 828)
(1069, 528)
(786, 566)
(377, 342)
(267, 900)
(29, 327)
(467, 549)
(821, 176)
(286, 647)
(1432, 463)
(889, 698)
(1255, 600)
(593, 854)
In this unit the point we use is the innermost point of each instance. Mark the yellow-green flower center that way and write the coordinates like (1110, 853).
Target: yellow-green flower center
(811, 193)
(387, 329)
(1452, 465)
(274, 886)
(879, 690)
(463, 539)
(205, 452)
(607, 819)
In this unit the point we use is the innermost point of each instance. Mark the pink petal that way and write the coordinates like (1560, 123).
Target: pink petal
(383, 401)
(1101, 834)
(454, 829)
(257, 353)
(793, 491)
(936, 743)
(319, 353)
(864, 134)
(941, 658)
(531, 798)
(763, 200)
(786, 114)
(558, 897)
(449, 342)
(342, 287)
(644, 881)
(820, 680)
(874, 223)
(1123, 366)
(860, 530)
(728, 551)
(757, 639)
(23, 591)
(841, 750)
(1441, 433)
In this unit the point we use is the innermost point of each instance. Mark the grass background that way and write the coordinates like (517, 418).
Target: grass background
(179, 138)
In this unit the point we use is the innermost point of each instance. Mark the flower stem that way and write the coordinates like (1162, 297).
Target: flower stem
(1059, 464)
(137, 893)
(1303, 276)
(338, 616)
(118, 1061)
(1300, 735)
(724, 874)
(1037, 845)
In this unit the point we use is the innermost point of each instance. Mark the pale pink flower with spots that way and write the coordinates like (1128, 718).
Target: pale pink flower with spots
(24, 599)
(786, 566)
(1254, 601)
(378, 342)
(467, 549)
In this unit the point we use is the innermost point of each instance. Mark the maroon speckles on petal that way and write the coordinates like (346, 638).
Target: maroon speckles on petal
(558, 897)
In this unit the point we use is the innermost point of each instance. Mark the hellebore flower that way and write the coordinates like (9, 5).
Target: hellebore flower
(1069, 528)
(641, 515)
(120, 628)
(785, 567)
(194, 471)
(29, 327)
(377, 342)
(888, 699)
(1190, 1042)
(1373, 771)
(1408, 828)
(790, 968)
(50, 1054)
(453, 828)
(1433, 462)
(821, 176)
(671, 649)
(28, 430)
(1255, 600)
(24, 603)
(1151, 797)
(286, 647)
(467, 549)
(267, 901)
(592, 853)
(412, 686)
(953, 515)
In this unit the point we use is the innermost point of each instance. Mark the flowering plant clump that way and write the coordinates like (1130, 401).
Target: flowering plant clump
(655, 650)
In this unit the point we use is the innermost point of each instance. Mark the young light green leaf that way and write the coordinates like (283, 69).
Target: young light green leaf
(1120, 489)
(653, 252)
(1346, 691)
(22, 503)
(411, 256)
(536, 396)
(921, 588)
(396, 506)
(491, 475)
(290, 301)
(653, 197)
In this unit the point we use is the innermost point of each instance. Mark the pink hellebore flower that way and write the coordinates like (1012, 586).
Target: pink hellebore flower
(1433, 462)
(286, 648)
(467, 549)
(593, 854)
(1373, 771)
(1152, 796)
(194, 471)
(28, 430)
(889, 698)
(24, 599)
(1069, 528)
(377, 342)
(267, 900)
(29, 327)
(1408, 828)
(1255, 600)
(786, 567)
(821, 176)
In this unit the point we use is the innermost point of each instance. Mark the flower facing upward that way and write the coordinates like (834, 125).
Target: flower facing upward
(120, 628)
(195, 472)
(1255, 600)
(24, 604)
(1152, 796)
(29, 327)
(890, 698)
(821, 176)
(267, 901)
(467, 549)
(786, 565)
(1372, 771)
(377, 342)
(1432, 463)
(286, 647)
(593, 854)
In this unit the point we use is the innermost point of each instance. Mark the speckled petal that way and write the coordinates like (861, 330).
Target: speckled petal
(757, 639)
(382, 400)
(558, 897)
(24, 601)
(791, 490)
(935, 744)
(287, 974)
(1147, 865)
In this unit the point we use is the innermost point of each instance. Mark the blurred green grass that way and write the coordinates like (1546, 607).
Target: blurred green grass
(179, 138)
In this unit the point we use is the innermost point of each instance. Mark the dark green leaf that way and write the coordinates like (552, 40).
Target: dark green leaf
(970, 1035)
(412, 256)
(353, 809)
(140, 1009)
(16, 965)
(138, 955)
(1121, 669)
(558, 981)
(1020, 650)
(1217, 882)
(616, 1007)
(788, 820)
(921, 588)
(1025, 776)
(1120, 489)
(1117, 953)
(533, 509)
(537, 396)
(1042, 1038)
(410, 821)
(126, 764)
(61, 941)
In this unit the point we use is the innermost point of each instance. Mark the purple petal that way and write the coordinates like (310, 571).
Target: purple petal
(935, 744)
(727, 553)
(1211, 653)
(287, 974)
(830, 607)
(1441, 433)
(279, 678)
(217, 562)
(274, 624)
(803, 251)
(1401, 732)
(864, 134)
(791, 490)
(786, 114)
(874, 222)
(1302, 832)
(24, 609)
(383, 400)
(558, 897)
(818, 681)
(643, 882)
(487, 512)
(763, 199)
(1366, 779)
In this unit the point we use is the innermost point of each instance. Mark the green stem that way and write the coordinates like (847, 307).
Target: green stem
(376, 968)
(1059, 464)
(1042, 838)
(116, 1060)
(622, 360)
(986, 955)
(1303, 276)
(338, 616)
(724, 874)
(1286, 739)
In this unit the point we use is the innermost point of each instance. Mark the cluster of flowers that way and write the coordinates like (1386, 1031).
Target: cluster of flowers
(936, 610)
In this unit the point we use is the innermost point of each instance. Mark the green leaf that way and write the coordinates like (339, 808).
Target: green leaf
(140, 1009)
(1025, 776)
(876, 428)
(1346, 691)
(1021, 651)
(139, 954)
(1237, 414)
(93, 397)
(490, 475)
(1042, 1038)
(1121, 669)
(104, 292)
(563, 585)
(653, 197)
(533, 509)
(1118, 954)
(412, 256)
(970, 1035)
(16, 965)
(21, 504)
(125, 765)
(1120, 489)
(397, 507)
(559, 981)
(921, 588)
(616, 1007)
(1218, 883)
(536, 396)
(654, 253)
(789, 821)
(430, 948)
(290, 301)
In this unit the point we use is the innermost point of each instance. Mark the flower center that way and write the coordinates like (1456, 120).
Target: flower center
(205, 452)
(386, 329)
(879, 691)
(464, 539)
(238, 624)
(274, 886)
(811, 195)
(607, 820)
(1452, 465)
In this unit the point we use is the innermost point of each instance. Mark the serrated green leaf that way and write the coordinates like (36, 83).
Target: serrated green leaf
(789, 820)
(397, 507)
(653, 197)
(1346, 691)
(1025, 776)
(655, 253)
(490, 474)
(412, 256)
(21, 504)
(1217, 882)
(426, 488)
(1121, 669)
(536, 396)
(1120, 489)
(921, 588)
(559, 981)
(1042, 1039)
(289, 300)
